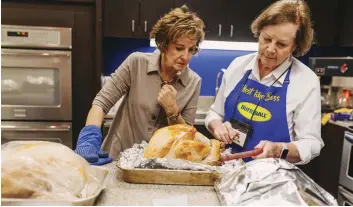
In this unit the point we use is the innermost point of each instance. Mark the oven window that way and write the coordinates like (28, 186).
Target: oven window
(350, 165)
(30, 86)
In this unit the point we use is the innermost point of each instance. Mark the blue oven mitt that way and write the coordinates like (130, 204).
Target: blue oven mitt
(88, 146)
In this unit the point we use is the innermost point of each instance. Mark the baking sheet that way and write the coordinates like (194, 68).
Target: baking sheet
(167, 176)
(137, 169)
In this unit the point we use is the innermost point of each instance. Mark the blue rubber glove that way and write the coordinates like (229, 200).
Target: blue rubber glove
(88, 146)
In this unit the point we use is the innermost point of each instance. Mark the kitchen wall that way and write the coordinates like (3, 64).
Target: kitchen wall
(207, 63)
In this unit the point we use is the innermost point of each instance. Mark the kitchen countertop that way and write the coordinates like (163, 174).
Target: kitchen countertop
(345, 124)
(119, 192)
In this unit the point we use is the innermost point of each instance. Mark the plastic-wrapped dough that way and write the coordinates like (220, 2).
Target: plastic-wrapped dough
(45, 170)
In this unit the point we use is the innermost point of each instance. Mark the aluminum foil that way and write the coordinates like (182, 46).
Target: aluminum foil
(133, 158)
(270, 182)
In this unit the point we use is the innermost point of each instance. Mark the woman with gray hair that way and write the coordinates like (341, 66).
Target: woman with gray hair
(160, 89)
(269, 100)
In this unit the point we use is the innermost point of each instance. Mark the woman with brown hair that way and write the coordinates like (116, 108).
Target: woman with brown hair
(160, 89)
(269, 99)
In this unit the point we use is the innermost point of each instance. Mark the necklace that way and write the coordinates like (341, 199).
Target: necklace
(171, 81)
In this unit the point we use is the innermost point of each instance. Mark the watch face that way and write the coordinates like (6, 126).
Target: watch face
(284, 153)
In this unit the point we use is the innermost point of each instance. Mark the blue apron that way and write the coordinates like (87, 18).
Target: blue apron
(268, 119)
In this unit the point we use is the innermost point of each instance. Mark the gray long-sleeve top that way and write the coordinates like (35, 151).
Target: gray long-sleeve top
(139, 114)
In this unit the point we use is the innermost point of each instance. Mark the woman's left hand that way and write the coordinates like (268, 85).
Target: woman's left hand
(167, 99)
(269, 149)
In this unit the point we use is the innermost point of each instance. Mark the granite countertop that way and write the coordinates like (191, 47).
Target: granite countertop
(345, 124)
(119, 192)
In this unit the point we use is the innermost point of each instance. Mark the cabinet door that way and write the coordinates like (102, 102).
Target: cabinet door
(240, 14)
(150, 12)
(212, 12)
(33, 15)
(120, 18)
(346, 19)
(324, 18)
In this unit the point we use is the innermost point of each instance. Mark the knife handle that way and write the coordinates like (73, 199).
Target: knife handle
(239, 155)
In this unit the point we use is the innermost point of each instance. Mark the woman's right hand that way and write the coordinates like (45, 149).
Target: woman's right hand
(225, 132)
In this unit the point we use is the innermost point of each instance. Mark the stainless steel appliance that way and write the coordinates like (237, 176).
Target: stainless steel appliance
(36, 82)
(336, 78)
(59, 132)
(345, 190)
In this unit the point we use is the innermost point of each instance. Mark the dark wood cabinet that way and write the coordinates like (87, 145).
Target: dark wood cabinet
(150, 12)
(132, 18)
(240, 15)
(120, 18)
(224, 19)
(227, 19)
(22, 14)
(325, 21)
(211, 12)
(345, 30)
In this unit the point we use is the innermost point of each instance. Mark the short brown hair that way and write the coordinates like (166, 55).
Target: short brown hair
(288, 11)
(178, 22)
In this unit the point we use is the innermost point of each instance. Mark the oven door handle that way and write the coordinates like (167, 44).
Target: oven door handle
(349, 138)
(44, 54)
(26, 129)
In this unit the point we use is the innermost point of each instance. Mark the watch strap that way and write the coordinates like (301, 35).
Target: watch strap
(284, 152)
(173, 117)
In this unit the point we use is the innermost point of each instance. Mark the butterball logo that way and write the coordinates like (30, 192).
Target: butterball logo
(247, 110)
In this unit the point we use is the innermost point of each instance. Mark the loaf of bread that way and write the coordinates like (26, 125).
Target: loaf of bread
(45, 170)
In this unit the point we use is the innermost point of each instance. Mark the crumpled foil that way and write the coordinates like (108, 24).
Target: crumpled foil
(270, 182)
(133, 158)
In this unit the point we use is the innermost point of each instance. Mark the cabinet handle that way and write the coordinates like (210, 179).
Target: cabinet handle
(349, 137)
(231, 31)
(219, 30)
(145, 26)
(32, 53)
(133, 26)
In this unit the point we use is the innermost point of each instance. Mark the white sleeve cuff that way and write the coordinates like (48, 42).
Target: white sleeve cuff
(212, 115)
(308, 149)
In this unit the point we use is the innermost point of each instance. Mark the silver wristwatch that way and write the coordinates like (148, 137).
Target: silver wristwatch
(173, 117)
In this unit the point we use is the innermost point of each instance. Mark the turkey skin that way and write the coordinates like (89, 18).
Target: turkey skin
(182, 141)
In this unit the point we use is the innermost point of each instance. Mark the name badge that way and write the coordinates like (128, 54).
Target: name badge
(244, 130)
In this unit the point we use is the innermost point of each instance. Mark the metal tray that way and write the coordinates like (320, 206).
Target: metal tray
(89, 201)
(164, 176)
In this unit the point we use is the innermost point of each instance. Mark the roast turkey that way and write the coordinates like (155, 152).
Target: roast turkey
(182, 141)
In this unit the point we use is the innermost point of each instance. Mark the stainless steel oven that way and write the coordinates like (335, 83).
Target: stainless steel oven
(35, 73)
(345, 190)
(59, 132)
(36, 83)
(345, 197)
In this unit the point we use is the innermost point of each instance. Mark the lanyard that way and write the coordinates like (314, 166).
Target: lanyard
(258, 103)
